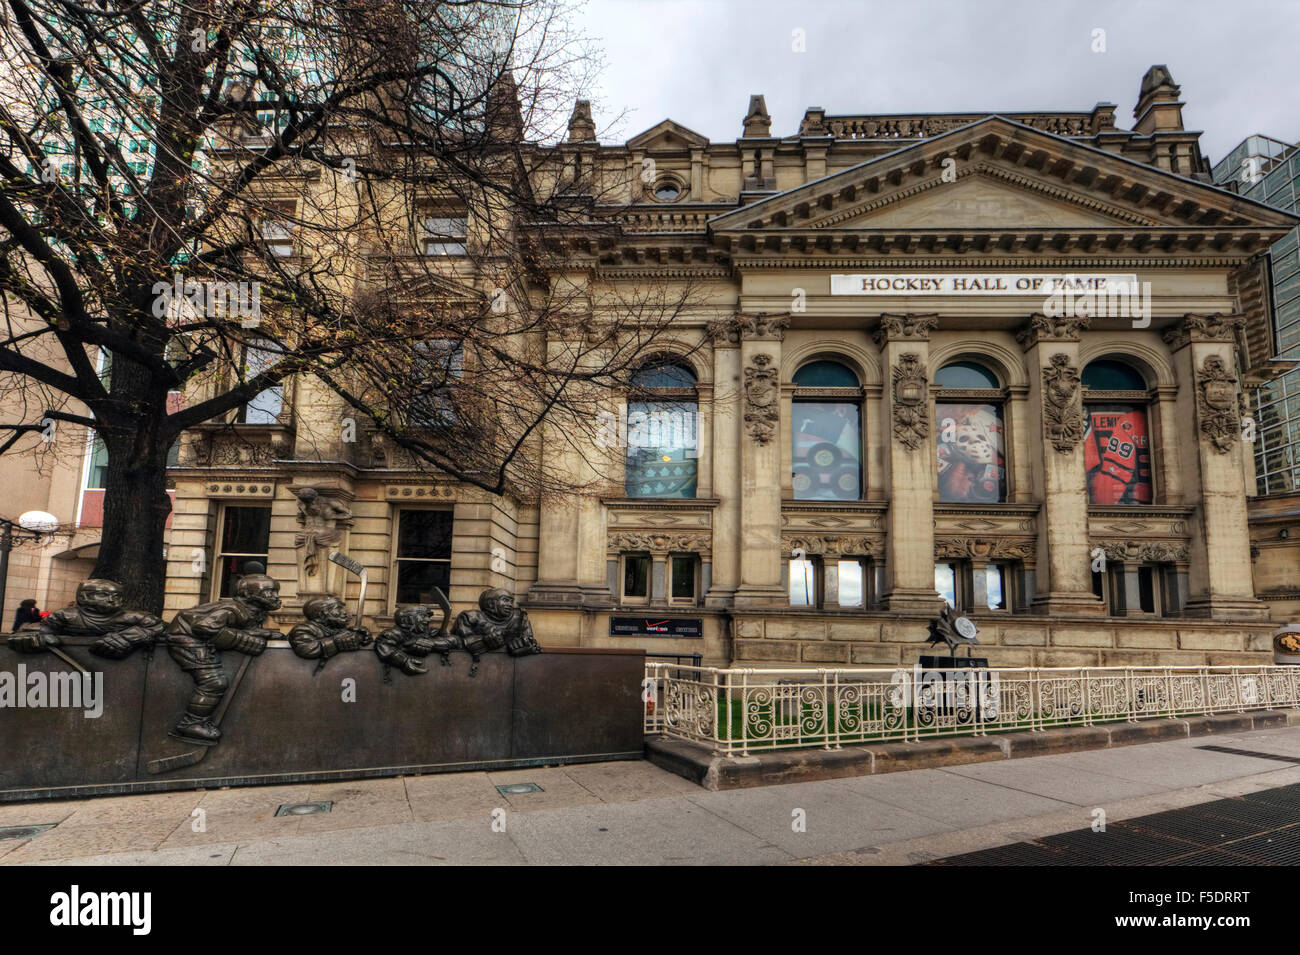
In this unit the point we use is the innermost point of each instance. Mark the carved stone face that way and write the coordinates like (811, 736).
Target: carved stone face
(973, 444)
(100, 596)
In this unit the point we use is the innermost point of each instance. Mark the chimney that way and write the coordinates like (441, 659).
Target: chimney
(758, 125)
(582, 129)
(1158, 108)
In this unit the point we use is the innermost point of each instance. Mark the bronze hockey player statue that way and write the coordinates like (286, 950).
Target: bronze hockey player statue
(497, 625)
(195, 639)
(326, 633)
(409, 641)
(98, 612)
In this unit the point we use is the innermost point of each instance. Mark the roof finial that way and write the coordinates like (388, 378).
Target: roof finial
(757, 122)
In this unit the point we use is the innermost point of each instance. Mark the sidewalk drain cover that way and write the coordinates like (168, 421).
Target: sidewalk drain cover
(23, 832)
(518, 789)
(304, 808)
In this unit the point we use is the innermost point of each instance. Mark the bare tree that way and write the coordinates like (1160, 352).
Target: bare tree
(341, 189)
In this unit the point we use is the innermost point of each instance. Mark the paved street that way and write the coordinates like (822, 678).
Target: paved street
(632, 812)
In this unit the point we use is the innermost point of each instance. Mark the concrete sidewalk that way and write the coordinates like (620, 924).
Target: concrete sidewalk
(635, 813)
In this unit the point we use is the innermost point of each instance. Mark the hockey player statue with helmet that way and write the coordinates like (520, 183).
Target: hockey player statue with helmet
(98, 612)
(326, 633)
(410, 639)
(196, 637)
(497, 625)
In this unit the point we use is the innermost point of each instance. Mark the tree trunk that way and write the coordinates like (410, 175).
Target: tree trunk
(136, 503)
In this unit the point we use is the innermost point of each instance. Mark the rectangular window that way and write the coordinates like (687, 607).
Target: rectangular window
(98, 475)
(436, 367)
(423, 555)
(265, 408)
(277, 227)
(804, 583)
(683, 575)
(636, 578)
(662, 449)
(245, 536)
(971, 453)
(827, 453)
(444, 235)
(997, 581)
(854, 583)
(1117, 454)
(947, 583)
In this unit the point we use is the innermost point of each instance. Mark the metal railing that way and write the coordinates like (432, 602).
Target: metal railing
(736, 710)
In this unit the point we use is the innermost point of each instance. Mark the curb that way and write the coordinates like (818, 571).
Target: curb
(702, 766)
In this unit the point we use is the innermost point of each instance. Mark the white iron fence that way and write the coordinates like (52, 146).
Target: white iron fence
(739, 709)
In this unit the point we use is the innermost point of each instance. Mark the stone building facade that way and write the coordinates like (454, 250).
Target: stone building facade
(878, 397)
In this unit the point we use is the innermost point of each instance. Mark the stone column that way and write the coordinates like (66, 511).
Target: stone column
(724, 451)
(1209, 457)
(760, 461)
(571, 528)
(904, 342)
(1062, 576)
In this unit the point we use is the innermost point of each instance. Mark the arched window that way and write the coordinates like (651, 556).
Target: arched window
(662, 431)
(970, 439)
(1117, 444)
(827, 433)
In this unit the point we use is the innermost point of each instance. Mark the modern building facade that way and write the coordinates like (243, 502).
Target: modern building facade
(1268, 170)
(993, 359)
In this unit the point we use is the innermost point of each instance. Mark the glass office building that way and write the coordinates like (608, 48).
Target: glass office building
(1268, 170)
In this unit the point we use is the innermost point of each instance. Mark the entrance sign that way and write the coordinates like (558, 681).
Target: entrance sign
(980, 283)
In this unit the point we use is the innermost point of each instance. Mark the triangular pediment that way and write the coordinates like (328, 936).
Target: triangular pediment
(666, 137)
(979, 200)
(996, 175)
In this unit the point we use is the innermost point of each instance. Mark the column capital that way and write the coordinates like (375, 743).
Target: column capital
(762, 326)
(1051, 328)
(1193, 327)
(910, 327)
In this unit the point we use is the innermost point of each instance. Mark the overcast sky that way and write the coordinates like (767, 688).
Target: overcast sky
(697, 61)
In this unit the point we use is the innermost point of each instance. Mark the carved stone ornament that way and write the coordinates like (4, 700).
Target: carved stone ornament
(996, 548)
(1216, 401)
(910, 327)
(659, 543)
(911, 410)
(832, 544)
(1204, 328)
(763, 326)
(1153, 551)
(320, 517)
(761, 391)
(1062, 328)
(1062, 407)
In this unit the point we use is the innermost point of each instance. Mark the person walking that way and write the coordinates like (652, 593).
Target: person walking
(27, 613)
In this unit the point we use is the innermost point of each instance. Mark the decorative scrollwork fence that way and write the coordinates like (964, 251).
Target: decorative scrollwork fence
(736, 710)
